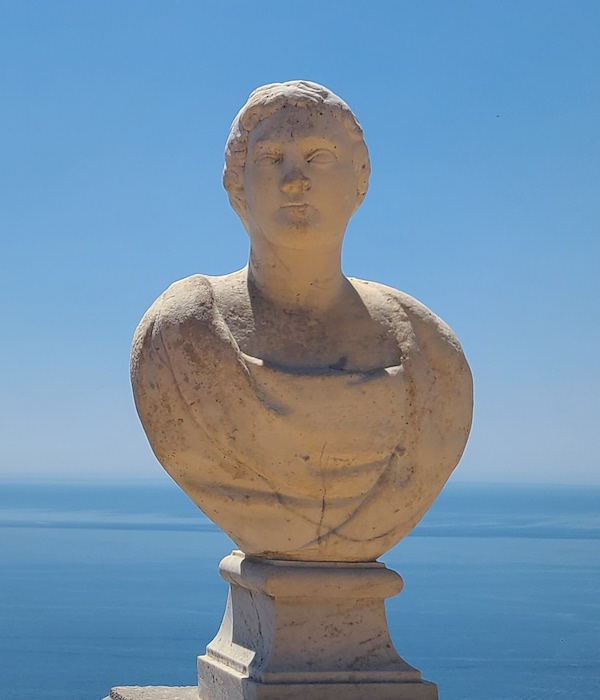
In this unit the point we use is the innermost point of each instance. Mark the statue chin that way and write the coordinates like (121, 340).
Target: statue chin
(325, 465)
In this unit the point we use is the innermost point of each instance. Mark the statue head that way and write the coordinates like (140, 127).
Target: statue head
(265, 102)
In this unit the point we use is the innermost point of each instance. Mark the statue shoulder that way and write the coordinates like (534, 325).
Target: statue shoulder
(186, 309)
(428, 327)
(443, 353)
(189, 298)
(184, 336)
(434, 337)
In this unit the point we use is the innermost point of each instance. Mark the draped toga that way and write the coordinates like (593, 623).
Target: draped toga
(321, 464)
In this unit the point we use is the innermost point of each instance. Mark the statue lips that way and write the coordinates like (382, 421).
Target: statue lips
(296, 206)
(299, 213)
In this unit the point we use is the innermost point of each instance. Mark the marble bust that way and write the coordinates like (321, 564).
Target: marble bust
(311, 416)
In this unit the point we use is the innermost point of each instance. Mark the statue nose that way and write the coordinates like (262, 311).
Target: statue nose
(295, 181)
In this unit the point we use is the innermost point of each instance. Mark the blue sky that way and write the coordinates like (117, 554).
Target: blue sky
(482, 123)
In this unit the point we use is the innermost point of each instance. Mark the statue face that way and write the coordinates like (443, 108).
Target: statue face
(300, 182)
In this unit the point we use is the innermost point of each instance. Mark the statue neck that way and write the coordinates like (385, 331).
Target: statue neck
(311, 279)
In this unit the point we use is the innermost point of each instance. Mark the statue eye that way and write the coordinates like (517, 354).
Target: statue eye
(321, 156)
(268, 158)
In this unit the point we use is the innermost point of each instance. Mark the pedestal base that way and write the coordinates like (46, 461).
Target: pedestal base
(154, 692)
(307, 631)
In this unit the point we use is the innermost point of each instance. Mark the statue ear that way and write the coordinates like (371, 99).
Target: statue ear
(233, 182)
(238, 204)
(362, 168)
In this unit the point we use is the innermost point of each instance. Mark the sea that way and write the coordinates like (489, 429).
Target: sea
(105, 584)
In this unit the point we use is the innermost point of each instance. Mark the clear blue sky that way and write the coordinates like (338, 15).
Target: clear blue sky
(483, 124)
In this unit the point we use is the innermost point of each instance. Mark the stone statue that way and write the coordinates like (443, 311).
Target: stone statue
(313, 417)
(309, 415)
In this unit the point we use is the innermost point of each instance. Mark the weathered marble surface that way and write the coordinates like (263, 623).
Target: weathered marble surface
(310, 416)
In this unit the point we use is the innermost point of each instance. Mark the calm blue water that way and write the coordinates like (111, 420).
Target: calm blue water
(118, 585)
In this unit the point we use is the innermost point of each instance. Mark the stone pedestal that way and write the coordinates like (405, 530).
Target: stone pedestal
(307, 631)
(153, 692)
